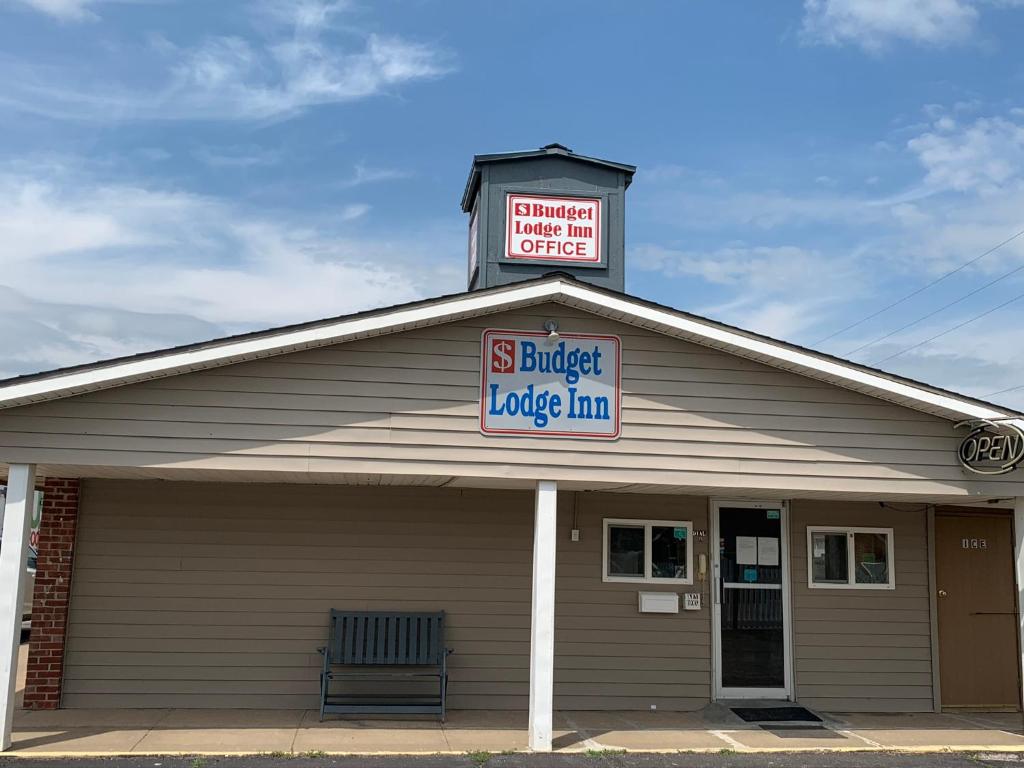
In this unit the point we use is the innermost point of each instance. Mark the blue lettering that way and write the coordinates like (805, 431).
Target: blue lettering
(493, 408)
(540, 407)
(572, 362)
(528, 358)
(540, 417)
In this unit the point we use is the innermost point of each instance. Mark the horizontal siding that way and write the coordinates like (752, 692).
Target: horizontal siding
(863, 650)
(215, 595)
(617, 647)
(408, 404)
(207, 595)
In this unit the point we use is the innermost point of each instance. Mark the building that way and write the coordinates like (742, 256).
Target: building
(618, 504)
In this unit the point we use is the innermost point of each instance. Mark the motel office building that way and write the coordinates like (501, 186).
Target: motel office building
(751, 519)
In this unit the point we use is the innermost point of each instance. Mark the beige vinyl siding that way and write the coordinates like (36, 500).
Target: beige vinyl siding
(216, 595)
(863, 650)
(608, 655)
(408, 404)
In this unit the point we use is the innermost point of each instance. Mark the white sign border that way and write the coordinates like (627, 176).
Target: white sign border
(531, 433)
(599, 231)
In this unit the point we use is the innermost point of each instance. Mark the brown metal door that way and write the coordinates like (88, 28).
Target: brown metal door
(977, 611)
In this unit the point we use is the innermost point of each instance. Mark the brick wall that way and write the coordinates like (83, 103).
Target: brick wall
(53, 588)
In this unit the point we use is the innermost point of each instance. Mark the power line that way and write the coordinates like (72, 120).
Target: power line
(937, 311)
(1004, 391)
(950, 330)
(923, 288)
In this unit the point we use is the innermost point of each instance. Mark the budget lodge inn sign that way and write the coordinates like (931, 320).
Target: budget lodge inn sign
(550, 385)
(991, 447)
(553, 228)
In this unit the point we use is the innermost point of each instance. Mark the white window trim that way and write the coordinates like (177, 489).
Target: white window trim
(851, 566)
(647, 525)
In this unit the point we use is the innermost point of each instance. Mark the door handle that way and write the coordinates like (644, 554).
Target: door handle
(943, 593)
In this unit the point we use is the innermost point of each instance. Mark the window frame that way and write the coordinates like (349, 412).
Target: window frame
(851, 565)
(647, 524)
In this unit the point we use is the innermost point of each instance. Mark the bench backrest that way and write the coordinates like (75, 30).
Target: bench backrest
(386, 638)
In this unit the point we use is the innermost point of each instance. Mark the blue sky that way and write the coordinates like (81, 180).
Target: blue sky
(172, 171)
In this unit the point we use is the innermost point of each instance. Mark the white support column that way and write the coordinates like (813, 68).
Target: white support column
(542, 623)
(21, 486)
(1018, 569)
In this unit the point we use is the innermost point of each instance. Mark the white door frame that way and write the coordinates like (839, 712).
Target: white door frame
(718, 690)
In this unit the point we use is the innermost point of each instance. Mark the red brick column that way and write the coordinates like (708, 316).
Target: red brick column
(53, 588)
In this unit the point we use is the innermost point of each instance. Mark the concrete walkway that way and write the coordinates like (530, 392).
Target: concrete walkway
(225, 732)
(283, 732)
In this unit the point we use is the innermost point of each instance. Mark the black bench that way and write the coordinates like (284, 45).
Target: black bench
(397, 645)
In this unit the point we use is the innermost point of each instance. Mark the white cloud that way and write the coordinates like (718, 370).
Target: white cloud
(766, 281)
(302, 58)
(354, 211)
(762, 266)
(63, 10)
(984, 156)
(875, 24)
(238, 156)
(811, 262)
(40, 335)
(95, 269)
(364, 174)
(979, 361)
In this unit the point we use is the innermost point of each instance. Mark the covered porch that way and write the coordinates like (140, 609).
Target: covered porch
(109, 732)
(153, 678)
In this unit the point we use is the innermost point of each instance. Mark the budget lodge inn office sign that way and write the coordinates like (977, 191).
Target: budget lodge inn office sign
(991, 447)
(553, 228)
(550, 385)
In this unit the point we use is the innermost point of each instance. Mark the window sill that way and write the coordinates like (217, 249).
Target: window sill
(874, 587)
(641, 580)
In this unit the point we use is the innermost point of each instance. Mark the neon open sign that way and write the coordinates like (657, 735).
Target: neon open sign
(991, 448)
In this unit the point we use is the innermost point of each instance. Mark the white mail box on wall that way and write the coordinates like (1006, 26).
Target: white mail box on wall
(659, 602)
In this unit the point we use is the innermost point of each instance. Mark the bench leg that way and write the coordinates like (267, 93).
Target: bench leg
(443, 684)
(323, 695)
(444, 695)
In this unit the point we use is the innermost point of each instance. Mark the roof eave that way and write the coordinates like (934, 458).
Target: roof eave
(474, 172)
(553, 287)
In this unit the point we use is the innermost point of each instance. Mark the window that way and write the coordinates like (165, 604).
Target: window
(648, 551)
(850, 558)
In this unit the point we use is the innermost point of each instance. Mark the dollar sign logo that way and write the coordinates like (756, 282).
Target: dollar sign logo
(503, 356)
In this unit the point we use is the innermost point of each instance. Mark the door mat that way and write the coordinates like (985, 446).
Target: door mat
(776, 715)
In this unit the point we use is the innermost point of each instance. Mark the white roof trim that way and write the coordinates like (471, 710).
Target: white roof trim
(63, 385)
(794, 358)
(75, 382)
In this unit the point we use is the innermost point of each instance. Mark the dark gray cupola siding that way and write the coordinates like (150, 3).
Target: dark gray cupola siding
(579, 226)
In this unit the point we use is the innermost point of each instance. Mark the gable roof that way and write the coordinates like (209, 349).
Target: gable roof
(555, 287)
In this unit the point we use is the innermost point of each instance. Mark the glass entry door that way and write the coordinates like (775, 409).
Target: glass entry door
(751, 600)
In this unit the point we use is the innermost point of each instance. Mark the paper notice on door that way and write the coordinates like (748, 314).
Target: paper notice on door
(746, 550)
(767, 550)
